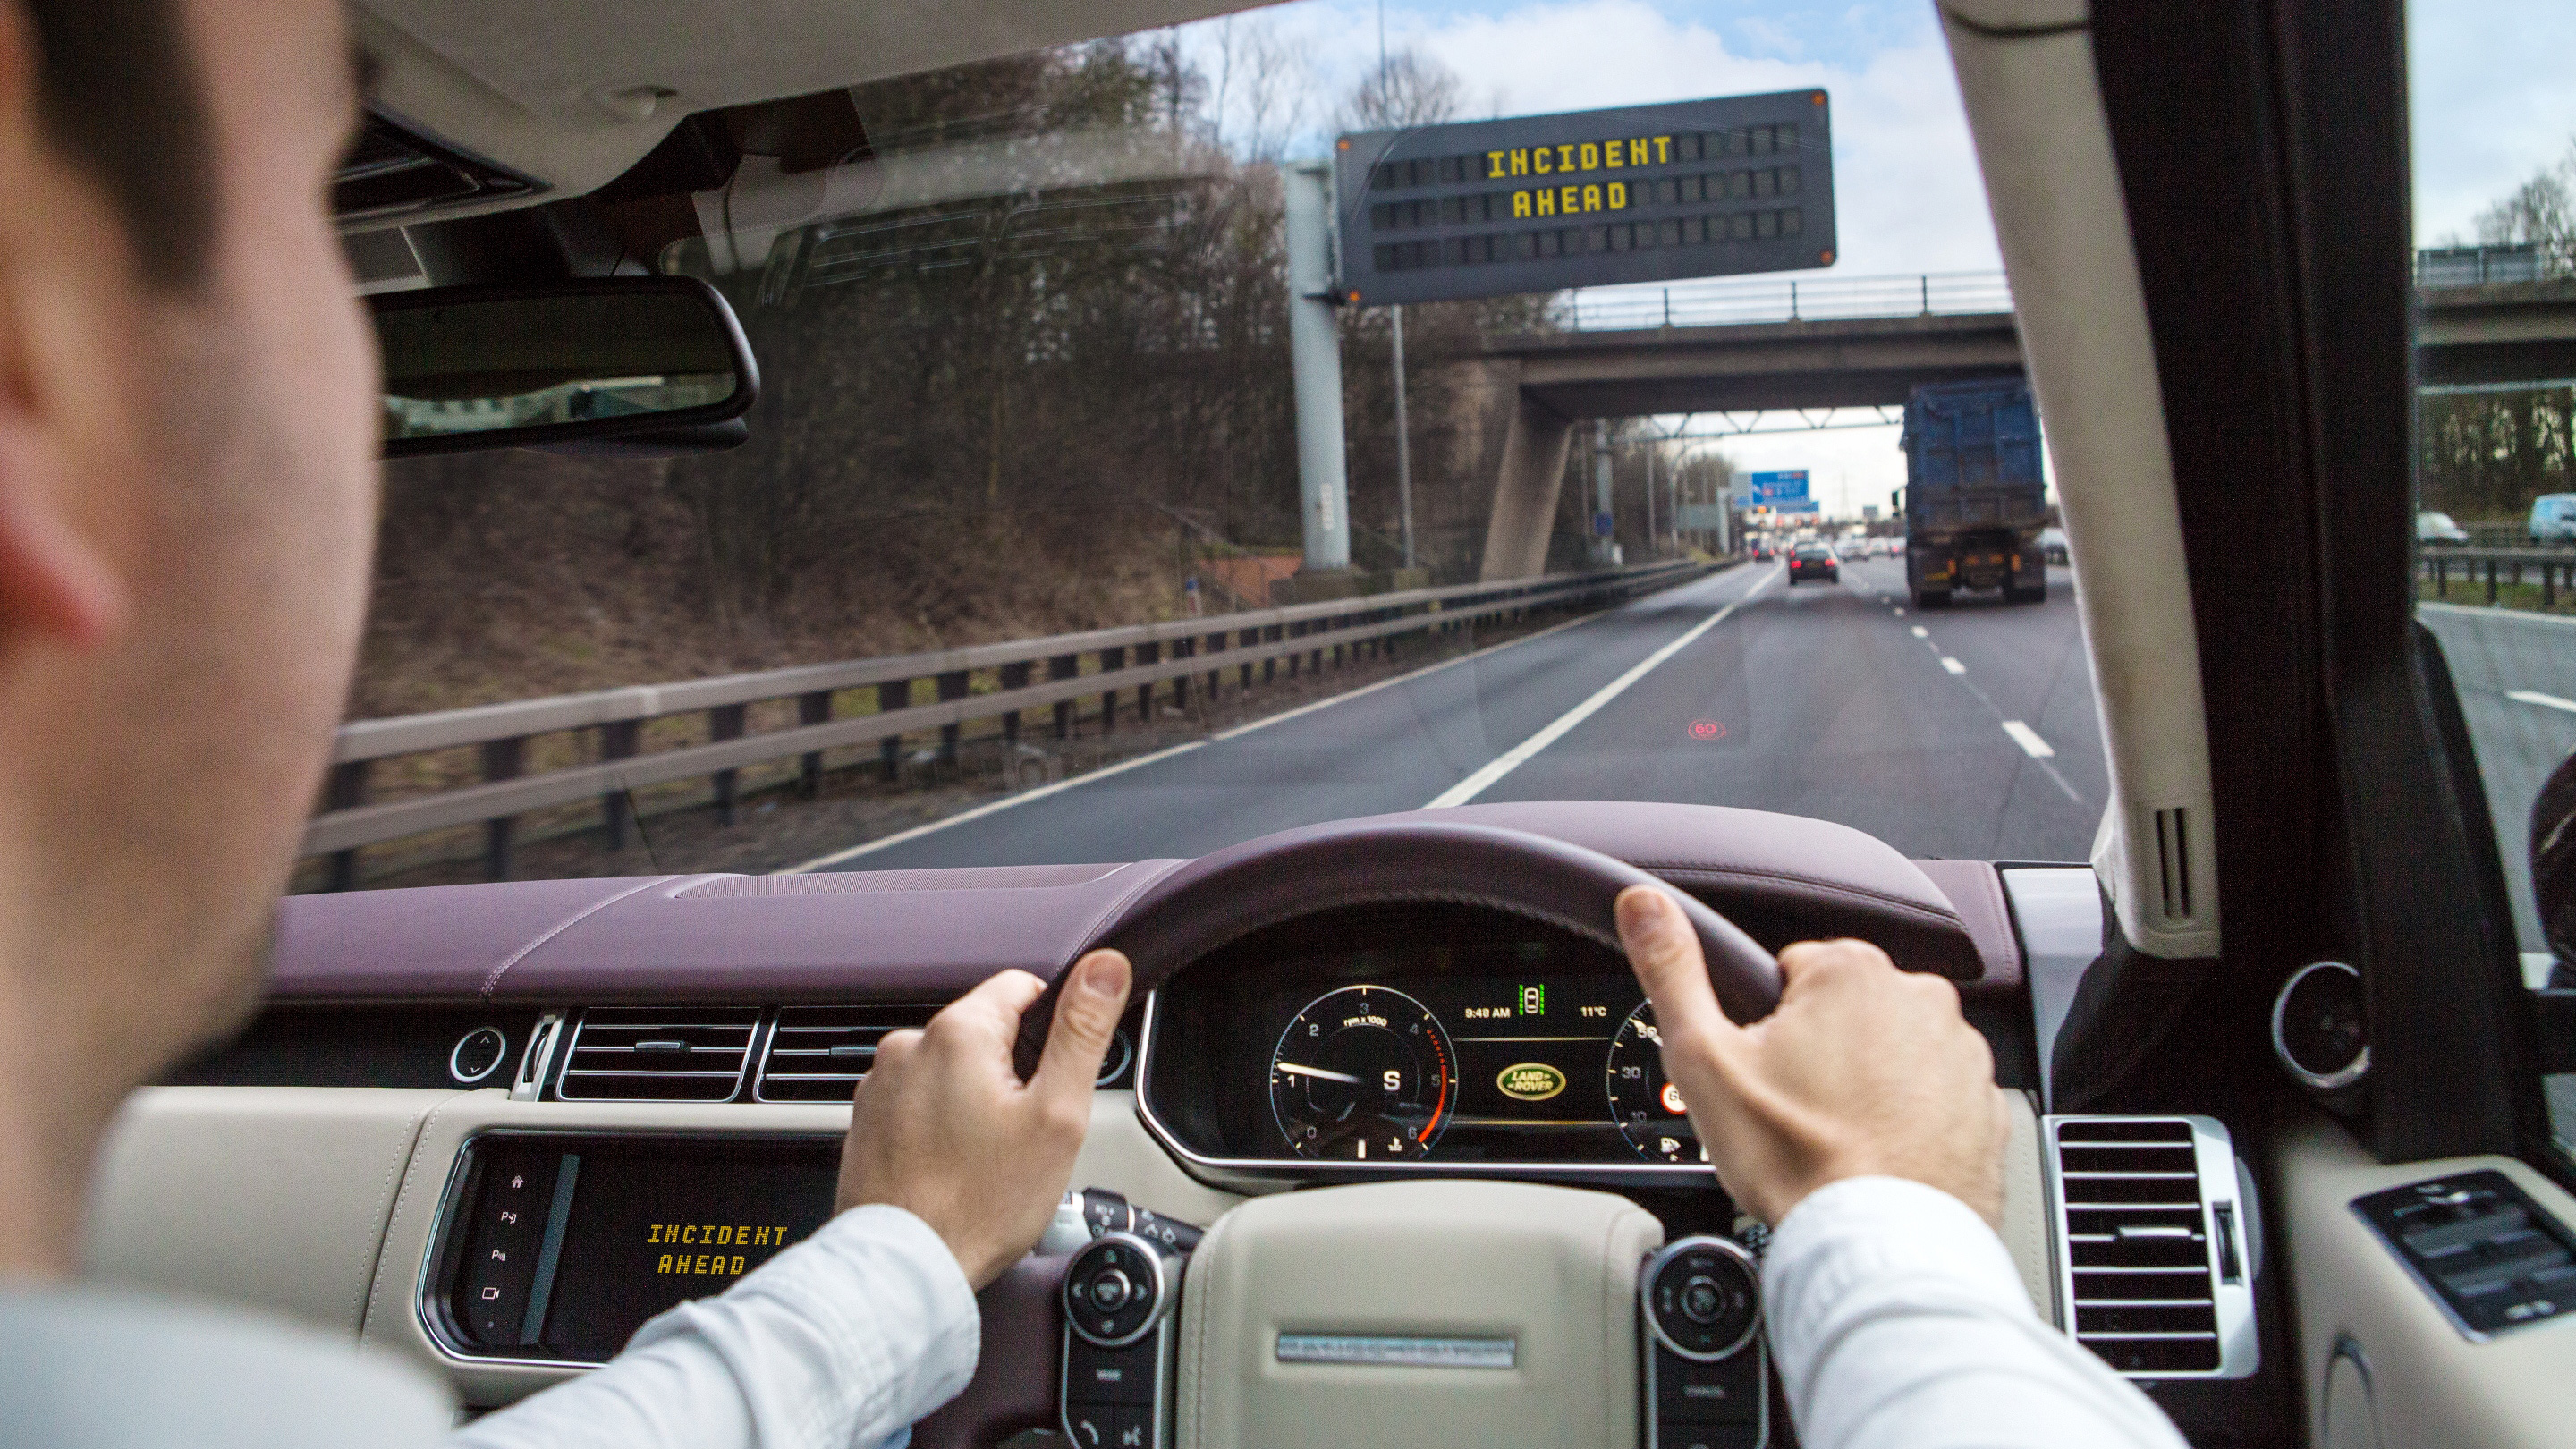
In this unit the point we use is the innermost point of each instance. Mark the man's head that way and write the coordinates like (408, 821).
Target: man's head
(187, 494)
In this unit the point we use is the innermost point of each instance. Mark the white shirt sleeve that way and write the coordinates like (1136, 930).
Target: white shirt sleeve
(840, 1342)
(1898, 1321)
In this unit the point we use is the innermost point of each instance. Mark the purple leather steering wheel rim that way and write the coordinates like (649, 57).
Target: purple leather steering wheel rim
(1231, 893)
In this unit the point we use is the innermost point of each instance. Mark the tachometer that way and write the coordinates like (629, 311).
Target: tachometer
(1363, 1074)
(1648, 1107)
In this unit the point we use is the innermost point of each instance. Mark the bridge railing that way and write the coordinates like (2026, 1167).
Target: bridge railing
(1057, 674)
(1735, 301)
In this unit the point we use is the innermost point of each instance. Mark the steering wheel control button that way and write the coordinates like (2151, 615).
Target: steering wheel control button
(1115, 1290)
(1110, 1291)
(1702, 1298)
(1109, 1375)
(1700, 1305)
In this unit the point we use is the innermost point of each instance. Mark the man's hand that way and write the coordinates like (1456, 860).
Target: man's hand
(1864, 1070)
(942, 1126)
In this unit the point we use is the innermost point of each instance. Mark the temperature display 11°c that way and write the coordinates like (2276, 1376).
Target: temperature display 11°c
(1363, 1074)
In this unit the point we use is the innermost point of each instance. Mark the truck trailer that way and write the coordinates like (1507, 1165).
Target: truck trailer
(1974, 498)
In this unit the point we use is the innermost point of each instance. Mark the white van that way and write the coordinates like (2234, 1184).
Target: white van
(2553, 518)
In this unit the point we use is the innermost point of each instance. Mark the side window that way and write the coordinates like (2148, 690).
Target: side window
(2495, 471)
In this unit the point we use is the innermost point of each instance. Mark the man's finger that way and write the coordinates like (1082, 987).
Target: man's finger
(1664, 951)
(1086, 1018)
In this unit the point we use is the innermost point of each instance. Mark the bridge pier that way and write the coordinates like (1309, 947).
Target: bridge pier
(1525, 492)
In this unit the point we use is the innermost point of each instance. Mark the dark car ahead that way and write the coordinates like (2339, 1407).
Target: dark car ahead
(1814, 561)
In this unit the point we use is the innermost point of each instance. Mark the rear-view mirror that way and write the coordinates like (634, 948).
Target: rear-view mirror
(621, 364)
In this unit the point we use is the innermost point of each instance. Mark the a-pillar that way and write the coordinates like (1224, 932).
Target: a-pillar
(1525, 493)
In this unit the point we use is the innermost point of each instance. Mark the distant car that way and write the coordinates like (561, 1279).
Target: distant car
(1761, 553)
(2436, 530)
(2553, 518)
(1896, 548)
(2052, 545)
(1814, 561)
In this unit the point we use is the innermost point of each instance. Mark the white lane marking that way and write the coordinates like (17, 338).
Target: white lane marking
(1919, 632)
(1953, 665)
(2545, 701)
(1899, 613)
(2029, 740)
(990, 807)
(1520, 754)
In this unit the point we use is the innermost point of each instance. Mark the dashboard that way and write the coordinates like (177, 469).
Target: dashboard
(1412, 1040)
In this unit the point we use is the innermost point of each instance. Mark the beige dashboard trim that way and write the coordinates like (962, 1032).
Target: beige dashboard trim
(270, 1196)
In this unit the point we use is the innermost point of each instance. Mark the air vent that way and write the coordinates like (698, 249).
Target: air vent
(2173, 862)
(657, 1055)
(2155, 1250)
(818, 1054)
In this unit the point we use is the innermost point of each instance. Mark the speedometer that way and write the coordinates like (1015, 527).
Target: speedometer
(1647, 1106)
(1363, 1074)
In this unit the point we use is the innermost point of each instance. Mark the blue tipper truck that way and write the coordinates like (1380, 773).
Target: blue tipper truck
(1974, 498)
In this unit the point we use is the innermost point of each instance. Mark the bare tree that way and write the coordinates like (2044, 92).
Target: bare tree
(1409, 89)
(1264, 82)
(2540, 213)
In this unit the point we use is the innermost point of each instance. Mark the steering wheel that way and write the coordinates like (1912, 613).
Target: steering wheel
(1549, 1271)
(1233, 892)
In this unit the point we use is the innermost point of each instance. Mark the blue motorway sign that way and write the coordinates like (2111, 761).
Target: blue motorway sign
(1770, 490)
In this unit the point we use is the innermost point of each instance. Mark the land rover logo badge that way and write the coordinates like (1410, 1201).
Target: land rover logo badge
(1531, 1081)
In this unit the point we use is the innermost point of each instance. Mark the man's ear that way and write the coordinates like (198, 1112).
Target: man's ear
(55, 584)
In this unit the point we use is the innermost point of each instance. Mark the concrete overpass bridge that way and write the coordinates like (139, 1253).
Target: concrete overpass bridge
(1734, 347)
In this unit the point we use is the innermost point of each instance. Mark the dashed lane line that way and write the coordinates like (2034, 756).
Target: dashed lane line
(1919, 632)
(2029, 740)
(1953, 665)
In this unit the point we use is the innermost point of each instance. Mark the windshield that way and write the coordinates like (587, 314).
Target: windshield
(1085, 518)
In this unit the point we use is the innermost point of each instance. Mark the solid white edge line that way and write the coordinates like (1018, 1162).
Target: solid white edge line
(1953, 665)
(2030, 742)
(2546, 701)
(1520, 754)
(991, 807)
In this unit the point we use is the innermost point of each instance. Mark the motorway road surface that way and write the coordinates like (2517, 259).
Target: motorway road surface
(1966, 732)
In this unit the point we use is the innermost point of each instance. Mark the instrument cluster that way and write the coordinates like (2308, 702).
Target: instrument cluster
(1422, 1038)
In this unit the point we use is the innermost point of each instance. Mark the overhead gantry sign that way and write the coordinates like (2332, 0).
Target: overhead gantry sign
(1586, 199)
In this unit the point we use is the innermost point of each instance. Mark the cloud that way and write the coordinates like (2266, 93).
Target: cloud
(2493, 102)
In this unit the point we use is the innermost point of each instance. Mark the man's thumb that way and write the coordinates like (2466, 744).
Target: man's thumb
(1086, 1018)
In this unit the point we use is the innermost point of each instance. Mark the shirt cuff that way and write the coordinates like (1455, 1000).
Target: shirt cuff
(1869, 1231)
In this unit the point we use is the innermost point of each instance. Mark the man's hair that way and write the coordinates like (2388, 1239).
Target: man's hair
(119, 95)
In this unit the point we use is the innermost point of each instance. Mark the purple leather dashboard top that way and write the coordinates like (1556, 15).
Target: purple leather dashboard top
(930, 934)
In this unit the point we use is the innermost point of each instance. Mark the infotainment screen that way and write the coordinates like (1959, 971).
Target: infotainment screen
(562, 1246)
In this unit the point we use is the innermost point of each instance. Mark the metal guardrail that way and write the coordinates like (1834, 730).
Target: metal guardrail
(2496, 567)
(1786, 299)
(1137, 657)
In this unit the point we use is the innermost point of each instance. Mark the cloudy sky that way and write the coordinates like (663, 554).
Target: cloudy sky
(2487, 115)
